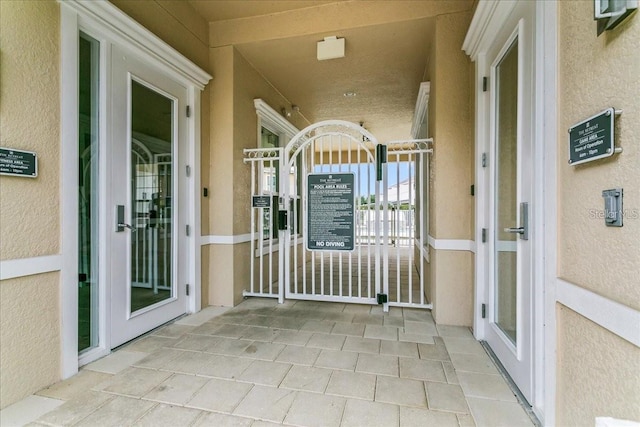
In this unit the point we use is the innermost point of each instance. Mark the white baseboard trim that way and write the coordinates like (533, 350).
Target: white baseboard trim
(225, 240)
(618, 318)
(452, 244)
(13, 268)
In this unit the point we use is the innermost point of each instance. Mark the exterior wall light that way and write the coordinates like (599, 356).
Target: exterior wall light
(609, 13)
(330, 48)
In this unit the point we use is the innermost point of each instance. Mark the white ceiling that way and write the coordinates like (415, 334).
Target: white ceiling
(384, 65)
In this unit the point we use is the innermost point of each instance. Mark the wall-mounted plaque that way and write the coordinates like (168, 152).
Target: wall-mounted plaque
(18, 163)
(331, 212)
(592, 138)
(261, 201)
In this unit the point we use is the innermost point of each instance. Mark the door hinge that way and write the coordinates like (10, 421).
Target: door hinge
(188, 111)
(187, 170)
(473, 190)
(484, 160)
(282, 220)
(484, 235)
(188, 230)
(187, 289)
(485, 84)
(484, 311)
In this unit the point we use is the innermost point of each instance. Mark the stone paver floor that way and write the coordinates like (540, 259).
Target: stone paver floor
(299, 363)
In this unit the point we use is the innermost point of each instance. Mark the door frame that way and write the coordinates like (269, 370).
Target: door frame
(514, 357)
(486, 23)
(110, 26)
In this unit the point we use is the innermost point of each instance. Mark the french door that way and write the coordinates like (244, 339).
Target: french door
(508, 324)
(146, 212)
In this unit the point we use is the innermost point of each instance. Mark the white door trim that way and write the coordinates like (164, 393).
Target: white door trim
(485, 24)
(102, 20)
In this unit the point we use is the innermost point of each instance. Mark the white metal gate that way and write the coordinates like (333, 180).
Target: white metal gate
(381, 268)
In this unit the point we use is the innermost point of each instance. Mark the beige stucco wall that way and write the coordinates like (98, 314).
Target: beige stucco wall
(29, 208)
(29, 336)
(598, 372)
(450, 273)
(597, 73)
(234, 127)
(29, 107)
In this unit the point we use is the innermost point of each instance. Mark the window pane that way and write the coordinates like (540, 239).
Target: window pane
(506, 192)
(151, 192)
(88, 83)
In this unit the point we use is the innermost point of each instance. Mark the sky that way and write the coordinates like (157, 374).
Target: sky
(396, 172)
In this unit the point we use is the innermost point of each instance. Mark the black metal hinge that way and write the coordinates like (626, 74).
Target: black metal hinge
(484, 235)
(187, 289)
(282, 220)
(188, 111)
(484, 311)
(382, 298)
(473, 190)
(485, 84)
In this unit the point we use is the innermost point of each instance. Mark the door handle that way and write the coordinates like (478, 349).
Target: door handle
(519, 230)
(120, 224)
(523, 230)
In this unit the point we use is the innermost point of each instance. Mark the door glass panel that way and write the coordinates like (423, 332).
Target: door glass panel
(152, 130)
(506, 192)
(88, 83)
(270, 184)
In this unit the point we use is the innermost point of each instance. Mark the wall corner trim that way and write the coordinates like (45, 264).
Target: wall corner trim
(482, 29)
(225, 240)
(620, 319)
(452, 244)
(272, 119)
(14, 268)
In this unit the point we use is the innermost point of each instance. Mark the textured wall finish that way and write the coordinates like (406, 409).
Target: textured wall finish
(598, 373)
(29, 105)
(450, 274)
(597, 73)
(29, 336)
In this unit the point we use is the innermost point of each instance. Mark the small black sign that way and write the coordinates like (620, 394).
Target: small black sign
(261, 201)
(18, 163)
(592, 139)
(331, 212)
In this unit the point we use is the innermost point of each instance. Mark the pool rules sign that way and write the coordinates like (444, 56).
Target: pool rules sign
(331, 212)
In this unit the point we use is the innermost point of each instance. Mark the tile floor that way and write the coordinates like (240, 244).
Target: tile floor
(300, 364)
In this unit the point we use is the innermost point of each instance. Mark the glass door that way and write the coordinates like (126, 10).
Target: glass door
(147, 280)
(508, 327)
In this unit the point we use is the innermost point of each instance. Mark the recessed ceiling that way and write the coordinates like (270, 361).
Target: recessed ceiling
(384, 62)
(220, 10)
(383, 66)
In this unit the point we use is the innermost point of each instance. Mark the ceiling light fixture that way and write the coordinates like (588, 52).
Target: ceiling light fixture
(349, 94)
(330, 48)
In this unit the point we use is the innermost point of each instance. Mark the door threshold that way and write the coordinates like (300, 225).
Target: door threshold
(512, 385)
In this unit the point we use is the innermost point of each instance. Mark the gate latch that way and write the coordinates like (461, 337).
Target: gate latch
(282, 220)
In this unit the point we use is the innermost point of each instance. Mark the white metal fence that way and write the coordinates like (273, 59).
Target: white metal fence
(385, 231)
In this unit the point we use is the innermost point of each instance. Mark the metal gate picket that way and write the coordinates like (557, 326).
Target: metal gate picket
(333, 146)
(387, 243)
(265, 236)
(406, 239)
